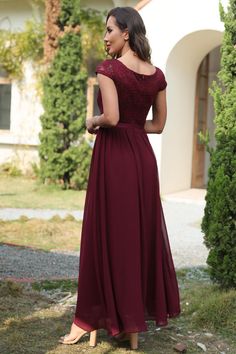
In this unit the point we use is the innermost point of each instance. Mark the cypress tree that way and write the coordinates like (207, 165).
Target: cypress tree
(219, 221)
(64, 152)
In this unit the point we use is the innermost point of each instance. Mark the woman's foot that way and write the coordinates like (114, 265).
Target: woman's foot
(122, 336)
(131, 337)
(74, 336)
(133, 341)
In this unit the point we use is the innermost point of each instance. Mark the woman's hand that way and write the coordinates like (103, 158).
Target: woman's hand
(91, 126)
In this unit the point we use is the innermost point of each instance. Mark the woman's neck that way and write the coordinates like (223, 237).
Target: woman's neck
(127, 53)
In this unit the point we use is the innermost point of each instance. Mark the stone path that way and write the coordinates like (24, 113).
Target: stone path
(184, 227)
(16, 213)
(27, 264)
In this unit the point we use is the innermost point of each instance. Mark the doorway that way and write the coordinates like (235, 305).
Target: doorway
(204, 117)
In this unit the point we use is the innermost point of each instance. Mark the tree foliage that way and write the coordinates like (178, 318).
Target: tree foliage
(93, 26)
(18, 47)
(64, 152)
(219, 222)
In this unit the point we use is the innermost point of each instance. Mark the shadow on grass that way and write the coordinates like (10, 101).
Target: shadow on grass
(32, 323)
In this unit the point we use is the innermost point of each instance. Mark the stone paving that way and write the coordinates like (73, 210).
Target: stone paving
(16, 213)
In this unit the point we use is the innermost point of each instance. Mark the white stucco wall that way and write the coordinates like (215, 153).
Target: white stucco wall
(181, 33)
(177, 142)
(13, 14)
(24, 122)
(19, 144)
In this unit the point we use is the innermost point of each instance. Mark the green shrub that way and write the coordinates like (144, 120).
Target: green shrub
(10, 169)
(56, 218)
(93, 24)
(80, 176)
(219, 222)
(35, 168)
(64, 102)
(69, 217)
(23, 219)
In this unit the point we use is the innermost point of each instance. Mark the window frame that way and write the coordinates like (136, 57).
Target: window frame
(91, 83)
(6, 81)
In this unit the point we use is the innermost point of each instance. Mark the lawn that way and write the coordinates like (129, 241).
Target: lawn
(23, 192)
(34, 316)
(54, 234)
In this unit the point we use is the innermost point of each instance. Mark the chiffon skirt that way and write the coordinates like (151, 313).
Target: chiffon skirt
(126, 272)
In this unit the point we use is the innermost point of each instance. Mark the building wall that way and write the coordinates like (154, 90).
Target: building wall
(24, 122)
(19, 144)
(13, 14)
(177, 143)
(181, 33)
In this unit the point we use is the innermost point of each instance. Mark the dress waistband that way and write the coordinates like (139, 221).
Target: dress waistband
(130, 125)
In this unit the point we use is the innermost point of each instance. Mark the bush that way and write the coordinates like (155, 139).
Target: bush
(80, 176)
(64, 102)
(219, 222)
(10, 169)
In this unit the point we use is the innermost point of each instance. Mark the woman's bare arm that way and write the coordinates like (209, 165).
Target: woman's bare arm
(159, 112)
(110, 116)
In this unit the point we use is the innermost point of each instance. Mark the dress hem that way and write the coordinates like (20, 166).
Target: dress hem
(90, 328)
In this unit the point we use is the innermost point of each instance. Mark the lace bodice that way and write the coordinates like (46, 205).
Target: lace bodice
(136, 92)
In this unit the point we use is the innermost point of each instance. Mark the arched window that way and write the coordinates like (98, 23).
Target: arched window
(5, 100)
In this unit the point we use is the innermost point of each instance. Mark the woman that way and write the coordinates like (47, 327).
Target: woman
(127, 274)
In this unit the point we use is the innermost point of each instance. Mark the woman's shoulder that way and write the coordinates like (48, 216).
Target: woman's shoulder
(159, 71)
(106, 67)
(106, 62)
(161, 79)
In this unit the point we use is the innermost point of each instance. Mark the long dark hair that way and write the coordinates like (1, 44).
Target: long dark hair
(129, 18)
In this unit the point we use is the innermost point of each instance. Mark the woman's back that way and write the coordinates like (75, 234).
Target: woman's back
(136, 92)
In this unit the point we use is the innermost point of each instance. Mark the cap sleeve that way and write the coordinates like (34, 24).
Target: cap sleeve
(105, 68)
(162, 80)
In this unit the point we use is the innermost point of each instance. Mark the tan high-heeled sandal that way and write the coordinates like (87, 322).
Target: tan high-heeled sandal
(92, 338)
(133, 341)
(131, 337)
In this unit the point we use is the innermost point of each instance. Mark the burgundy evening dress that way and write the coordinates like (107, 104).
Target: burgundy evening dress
(126, 272)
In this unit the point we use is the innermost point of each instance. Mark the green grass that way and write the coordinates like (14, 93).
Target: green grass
(23, 192)
(63, 285)
(209, 307)
(32, 323)
(55, 234)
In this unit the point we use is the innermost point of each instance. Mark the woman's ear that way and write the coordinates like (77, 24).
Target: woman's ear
(126, 34)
